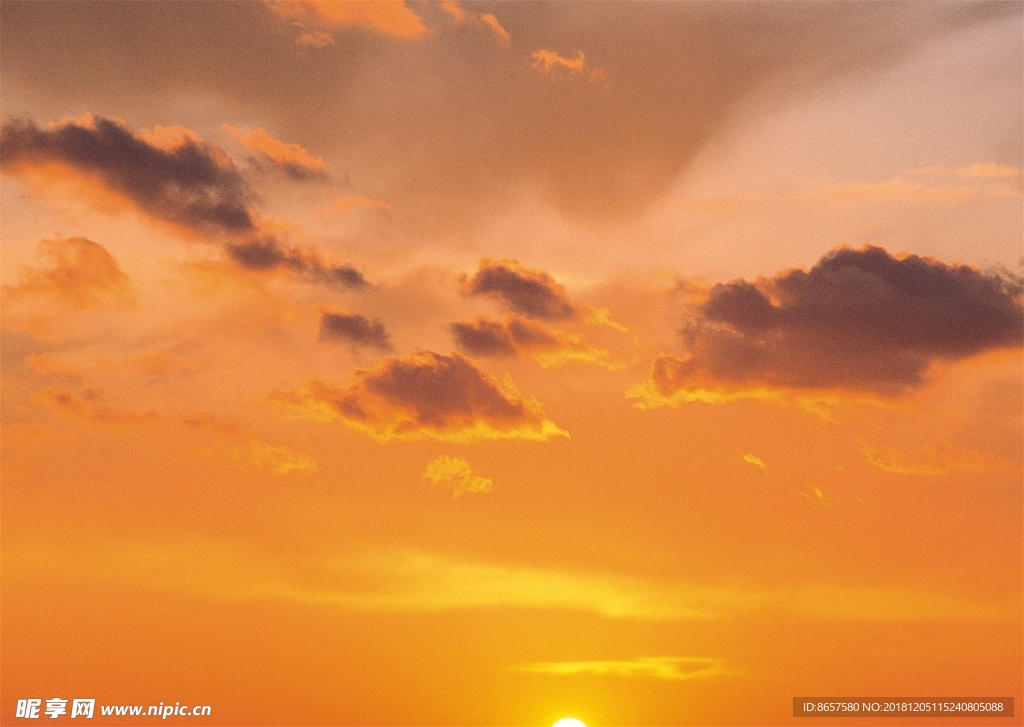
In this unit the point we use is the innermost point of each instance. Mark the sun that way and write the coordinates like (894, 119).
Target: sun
(568, 722)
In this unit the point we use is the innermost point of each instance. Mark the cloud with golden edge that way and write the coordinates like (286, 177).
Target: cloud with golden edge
(291, 158)
(516, 336)
(73, 273)
(424, 395)
(318, 21)
(941, 460)
(455, 474)
(858, 323)
(668, 668)
(530, 293)
(411, 581)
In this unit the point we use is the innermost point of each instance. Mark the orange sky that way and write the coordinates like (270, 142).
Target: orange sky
(492, 363)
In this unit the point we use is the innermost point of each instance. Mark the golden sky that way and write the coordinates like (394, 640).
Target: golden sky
(450, 363)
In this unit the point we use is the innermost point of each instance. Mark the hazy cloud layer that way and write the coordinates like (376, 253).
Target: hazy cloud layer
(532, 293)
(488, 125)
(355, 329)
(76, 273)
(425, 396)
(861, 320)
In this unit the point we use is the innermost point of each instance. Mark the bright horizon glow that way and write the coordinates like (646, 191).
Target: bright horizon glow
(568, 722)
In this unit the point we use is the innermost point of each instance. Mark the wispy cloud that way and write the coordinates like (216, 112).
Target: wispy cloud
(668, 668)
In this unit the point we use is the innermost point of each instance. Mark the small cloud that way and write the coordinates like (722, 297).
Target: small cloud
(89, 408)
(818, 495)
(668, 668)
(551, 64)
(756, 461)
(485, 21)
(455, 474)
(516, 336)
(279, 459)
(531, 293)
(267, 253)
(355, 329)
(941, 460)
(603, 317)
(293, 159)
(424, 395)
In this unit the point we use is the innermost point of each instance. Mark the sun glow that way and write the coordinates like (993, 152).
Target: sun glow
(568, 722)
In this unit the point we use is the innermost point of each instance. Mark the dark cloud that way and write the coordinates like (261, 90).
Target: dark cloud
(426, 396)
(863, 320)
(531, 293)
(188, 183)
(268, 254)
(485, 337)
(354, 328)
(172, 176)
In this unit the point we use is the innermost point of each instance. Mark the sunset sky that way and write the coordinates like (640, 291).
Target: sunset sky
(450, 363)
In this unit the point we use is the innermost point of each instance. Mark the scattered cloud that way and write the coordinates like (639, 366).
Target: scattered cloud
(279, 459)
(89, 407)
(668, 668)
(150, 364)
(74, 273)
(485, 21)
(455, 474)
(171, 176)
(517, 336)
(355, 329)
(267, 253)
(859, 321)
(755, 461)
(818, 495)
(551, 64)
(293, 159)
(531, 293)
(318, 21)
(425, 396)
(941, 460)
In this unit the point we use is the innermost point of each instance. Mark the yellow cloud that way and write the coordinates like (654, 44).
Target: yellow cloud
(424, 395)
(756, 461)
(669, 668)
(410, 581)
(455, 474)
(941, 460)
(279, 459)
